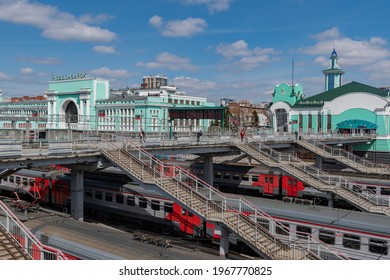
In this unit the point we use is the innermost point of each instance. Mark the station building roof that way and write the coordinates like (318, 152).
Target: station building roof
(319, 99)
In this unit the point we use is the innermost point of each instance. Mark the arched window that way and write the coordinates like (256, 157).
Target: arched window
(329, 123)
(71, 113)
(319, 122)
(309, 123)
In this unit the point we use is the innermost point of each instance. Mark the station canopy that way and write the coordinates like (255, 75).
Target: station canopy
(356, 124)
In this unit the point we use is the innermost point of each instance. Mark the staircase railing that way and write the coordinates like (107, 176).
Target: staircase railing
(331, 182)
(213, 205)
(25, 238)
(347, 157)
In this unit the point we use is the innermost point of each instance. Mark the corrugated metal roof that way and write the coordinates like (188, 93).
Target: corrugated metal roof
(319, 99)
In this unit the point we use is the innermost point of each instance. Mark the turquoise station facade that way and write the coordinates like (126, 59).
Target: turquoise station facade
(81, 103)
(352, 108)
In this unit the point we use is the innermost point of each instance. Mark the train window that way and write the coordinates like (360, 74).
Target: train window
(255, 178)
(385, 191)
(183, 212)
(303, 231)
(217, 175)
(24, 181)
(245, 178)
(226, 176)
(130, 200)
(263, 222)
(327, 236)
(236, 177)
(88, 193)
(378, 246)
(155, 205)
(108, 196)
(17, 180)
(190, 214)
(5, 179)
(119, 198)
(351, 241)
(142, 202)
(283, 229)
(11, 179)
(271, 180)
(168, 207)
(265, 179)
(294, 182)
(289, 181)
(98, 195)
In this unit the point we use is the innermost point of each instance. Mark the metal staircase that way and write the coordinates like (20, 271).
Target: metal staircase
(10, 248)
(236, 214)
(343, 156)
(18, 243)
(346, 189)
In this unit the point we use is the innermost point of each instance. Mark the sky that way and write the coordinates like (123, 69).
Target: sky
(238, 49)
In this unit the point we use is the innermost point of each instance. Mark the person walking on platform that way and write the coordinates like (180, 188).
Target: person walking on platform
(198, 136)
(142, 136)
(242, 135)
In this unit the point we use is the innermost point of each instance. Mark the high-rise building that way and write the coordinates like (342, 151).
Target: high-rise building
(153, 82)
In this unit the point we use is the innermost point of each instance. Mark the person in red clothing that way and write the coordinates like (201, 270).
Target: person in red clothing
(242, 135)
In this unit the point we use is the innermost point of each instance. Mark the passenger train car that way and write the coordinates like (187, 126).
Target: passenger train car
(356, 234)
(260, 180)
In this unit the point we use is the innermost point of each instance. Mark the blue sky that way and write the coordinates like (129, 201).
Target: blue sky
(236, 49)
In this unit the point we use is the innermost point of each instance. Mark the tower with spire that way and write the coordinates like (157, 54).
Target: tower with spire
(333, 73)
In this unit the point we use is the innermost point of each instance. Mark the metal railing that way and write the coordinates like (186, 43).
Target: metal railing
(25, 238)
(311, 174)
(348, 158)
(213, 205)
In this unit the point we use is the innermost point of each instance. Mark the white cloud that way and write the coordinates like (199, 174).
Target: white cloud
(170, 61)
(3, 76)
(95, 19)
(54, 23)
(212, 5)
(246, 58)
(379, 71)
(189, 85)
(351, 52)
(111, 73)
(178, 28)
(26, 71)
(104, 49)
(156, 21)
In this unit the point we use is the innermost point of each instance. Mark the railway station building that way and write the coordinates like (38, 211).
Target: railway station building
(352, 108)
(81, 103)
